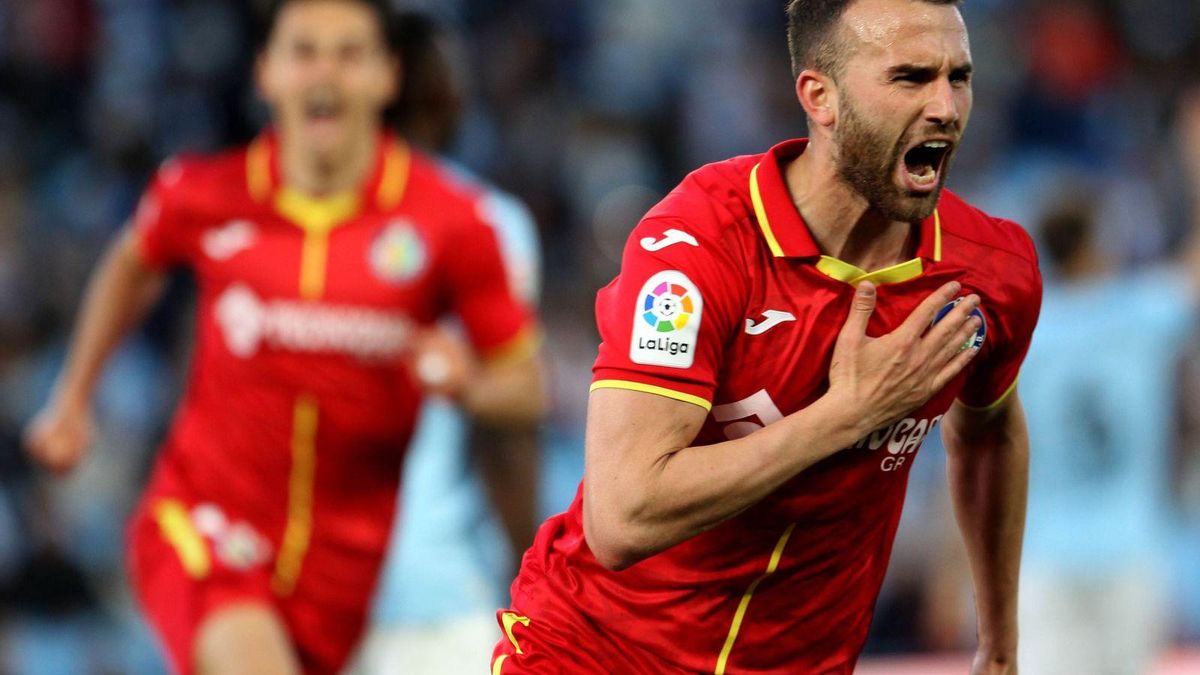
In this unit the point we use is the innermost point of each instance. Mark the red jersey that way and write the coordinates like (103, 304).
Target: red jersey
(724, 301)
(300, 402)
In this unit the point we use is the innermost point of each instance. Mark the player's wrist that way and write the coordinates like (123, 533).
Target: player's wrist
(71, 400)
(843, 417)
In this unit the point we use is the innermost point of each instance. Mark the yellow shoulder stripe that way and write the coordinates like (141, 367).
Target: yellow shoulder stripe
(651, 389)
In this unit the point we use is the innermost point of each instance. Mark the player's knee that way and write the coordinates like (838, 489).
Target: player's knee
(248, 639)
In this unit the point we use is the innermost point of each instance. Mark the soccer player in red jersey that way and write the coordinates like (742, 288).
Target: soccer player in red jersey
(786, 330)
(324, 252)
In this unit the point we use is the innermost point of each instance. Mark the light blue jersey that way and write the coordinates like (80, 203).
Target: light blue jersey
(448, 549)
(1097, 387)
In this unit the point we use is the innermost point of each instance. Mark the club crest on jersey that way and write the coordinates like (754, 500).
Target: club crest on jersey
(980, 335)
(398, 254)
(666, 321)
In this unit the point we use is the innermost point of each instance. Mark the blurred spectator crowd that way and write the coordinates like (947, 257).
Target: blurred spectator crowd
(590, 112)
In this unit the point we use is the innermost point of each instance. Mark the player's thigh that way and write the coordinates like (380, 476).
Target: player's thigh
(244, 639)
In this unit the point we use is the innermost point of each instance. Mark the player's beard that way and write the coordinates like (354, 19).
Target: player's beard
(867, 161)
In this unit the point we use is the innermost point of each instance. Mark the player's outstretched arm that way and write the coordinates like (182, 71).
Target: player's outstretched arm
(118, 295)
(646, 488)
(988, 469)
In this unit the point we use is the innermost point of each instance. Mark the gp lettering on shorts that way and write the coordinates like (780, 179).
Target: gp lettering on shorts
(666, 321)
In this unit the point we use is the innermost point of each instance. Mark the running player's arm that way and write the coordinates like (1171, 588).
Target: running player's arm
(988, 468)
(508, 458)
(647, 488)
(126, 283)
(987, 451)
(504, 383)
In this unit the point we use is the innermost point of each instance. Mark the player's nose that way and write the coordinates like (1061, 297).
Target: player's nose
(942, 108)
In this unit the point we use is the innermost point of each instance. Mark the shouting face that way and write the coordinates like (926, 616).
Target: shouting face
(327, 73)
(904, 96)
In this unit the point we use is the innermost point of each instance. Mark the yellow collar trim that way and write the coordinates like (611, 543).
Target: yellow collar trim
(258, 169)
(393, 182)
(316, 214)
(838, 269)
(844, 271)
(760, 213)
(937, 236)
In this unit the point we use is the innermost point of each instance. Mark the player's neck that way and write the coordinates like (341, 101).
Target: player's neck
(322, 174)
(841, 221)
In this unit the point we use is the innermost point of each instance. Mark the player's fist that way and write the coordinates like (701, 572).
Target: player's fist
(58, 436)
(441, 362)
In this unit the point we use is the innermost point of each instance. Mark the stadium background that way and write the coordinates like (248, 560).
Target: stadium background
(589, 111)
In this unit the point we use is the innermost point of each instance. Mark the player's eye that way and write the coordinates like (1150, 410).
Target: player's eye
(352, 53)
(303, 51)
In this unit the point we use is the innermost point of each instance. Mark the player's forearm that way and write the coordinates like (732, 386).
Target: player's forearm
(988, 469)
(117, 296)
(508, 462)
(511, 396)
(641, 512)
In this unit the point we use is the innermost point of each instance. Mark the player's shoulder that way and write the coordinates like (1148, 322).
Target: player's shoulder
(201, 176)
(713, 202)
(997, 254)
(493, 205)
(968, 231)
(438, 182)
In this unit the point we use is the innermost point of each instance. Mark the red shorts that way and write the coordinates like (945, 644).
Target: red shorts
(531, 647)
(181, 574)
(550, 642)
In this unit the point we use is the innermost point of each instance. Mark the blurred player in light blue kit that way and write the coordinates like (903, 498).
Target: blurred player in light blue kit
(1099, 383)
(468, 504)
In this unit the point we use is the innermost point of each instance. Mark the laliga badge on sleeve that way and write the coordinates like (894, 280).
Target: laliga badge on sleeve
(666, 321)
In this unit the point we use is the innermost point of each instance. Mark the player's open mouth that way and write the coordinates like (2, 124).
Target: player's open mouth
(923, 164)
(322, 110)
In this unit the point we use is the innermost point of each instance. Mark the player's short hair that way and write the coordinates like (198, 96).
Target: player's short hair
(269, 10)
(814, 38)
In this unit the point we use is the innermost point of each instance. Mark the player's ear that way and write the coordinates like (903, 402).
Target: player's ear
(818, 95)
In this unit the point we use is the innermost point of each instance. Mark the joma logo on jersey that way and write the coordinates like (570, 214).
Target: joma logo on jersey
(901, 439)
(666, 321)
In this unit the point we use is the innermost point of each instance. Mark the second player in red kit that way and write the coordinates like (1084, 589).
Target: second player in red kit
(324, 253)
(786, 330)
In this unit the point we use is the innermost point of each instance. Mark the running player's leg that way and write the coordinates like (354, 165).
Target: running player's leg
(244, 639)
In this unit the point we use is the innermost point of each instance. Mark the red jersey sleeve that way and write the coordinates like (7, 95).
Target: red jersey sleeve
(666, 319)
(161, 222)
(498, 324)
(1015, 300)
